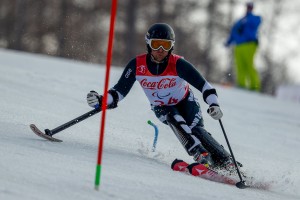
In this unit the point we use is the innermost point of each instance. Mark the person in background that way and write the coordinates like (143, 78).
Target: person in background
(244, 37)
(165, 79)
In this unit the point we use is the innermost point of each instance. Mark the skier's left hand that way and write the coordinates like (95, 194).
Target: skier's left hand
(215, 111)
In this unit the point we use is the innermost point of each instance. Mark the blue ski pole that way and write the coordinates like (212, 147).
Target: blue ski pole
(155, 135)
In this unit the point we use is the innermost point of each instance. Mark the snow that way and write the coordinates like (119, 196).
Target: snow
(263, 133)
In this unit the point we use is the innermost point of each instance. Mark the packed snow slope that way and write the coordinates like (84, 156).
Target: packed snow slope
(47, 91)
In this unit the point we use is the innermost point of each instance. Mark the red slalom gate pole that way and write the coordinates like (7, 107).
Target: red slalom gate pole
(104, 101)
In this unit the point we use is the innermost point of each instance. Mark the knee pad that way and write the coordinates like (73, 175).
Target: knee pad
(182, 132)
(178, 122)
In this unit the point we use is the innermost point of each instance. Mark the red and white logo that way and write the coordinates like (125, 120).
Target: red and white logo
(141, 69)
(162, 84)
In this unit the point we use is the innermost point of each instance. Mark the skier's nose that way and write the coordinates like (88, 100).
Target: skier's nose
(160, 49)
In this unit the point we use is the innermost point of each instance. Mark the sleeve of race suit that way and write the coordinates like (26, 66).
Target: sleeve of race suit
(189, 73)
(126, 80)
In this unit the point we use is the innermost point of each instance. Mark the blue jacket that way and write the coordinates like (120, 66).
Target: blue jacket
(244, 30)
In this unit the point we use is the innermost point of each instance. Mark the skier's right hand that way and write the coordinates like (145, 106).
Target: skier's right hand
(94, 99)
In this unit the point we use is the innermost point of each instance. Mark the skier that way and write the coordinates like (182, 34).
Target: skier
(165, 79)
(244, 37)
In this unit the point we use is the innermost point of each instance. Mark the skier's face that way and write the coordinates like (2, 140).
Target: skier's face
(159, 54)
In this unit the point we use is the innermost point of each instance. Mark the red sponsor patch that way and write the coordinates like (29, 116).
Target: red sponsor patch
(141, 69)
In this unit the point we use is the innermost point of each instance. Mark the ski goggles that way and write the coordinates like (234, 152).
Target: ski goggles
(155, 44)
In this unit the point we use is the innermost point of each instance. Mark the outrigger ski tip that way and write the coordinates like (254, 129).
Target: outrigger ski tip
(48, 133)
(38, 132)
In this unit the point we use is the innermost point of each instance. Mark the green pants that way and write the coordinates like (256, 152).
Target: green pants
(246, 74)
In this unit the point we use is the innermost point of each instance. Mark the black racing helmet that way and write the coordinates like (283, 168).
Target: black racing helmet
(160, 31)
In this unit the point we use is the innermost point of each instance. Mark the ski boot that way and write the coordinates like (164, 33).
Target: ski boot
(203, 157)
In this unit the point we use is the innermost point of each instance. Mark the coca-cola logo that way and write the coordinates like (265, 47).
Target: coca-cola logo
(162, 84)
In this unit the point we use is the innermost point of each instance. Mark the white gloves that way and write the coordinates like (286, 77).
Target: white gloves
(94, 99)
(215, 111)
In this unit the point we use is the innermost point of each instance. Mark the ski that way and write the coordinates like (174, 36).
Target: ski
(199, 170)
(39, 133)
